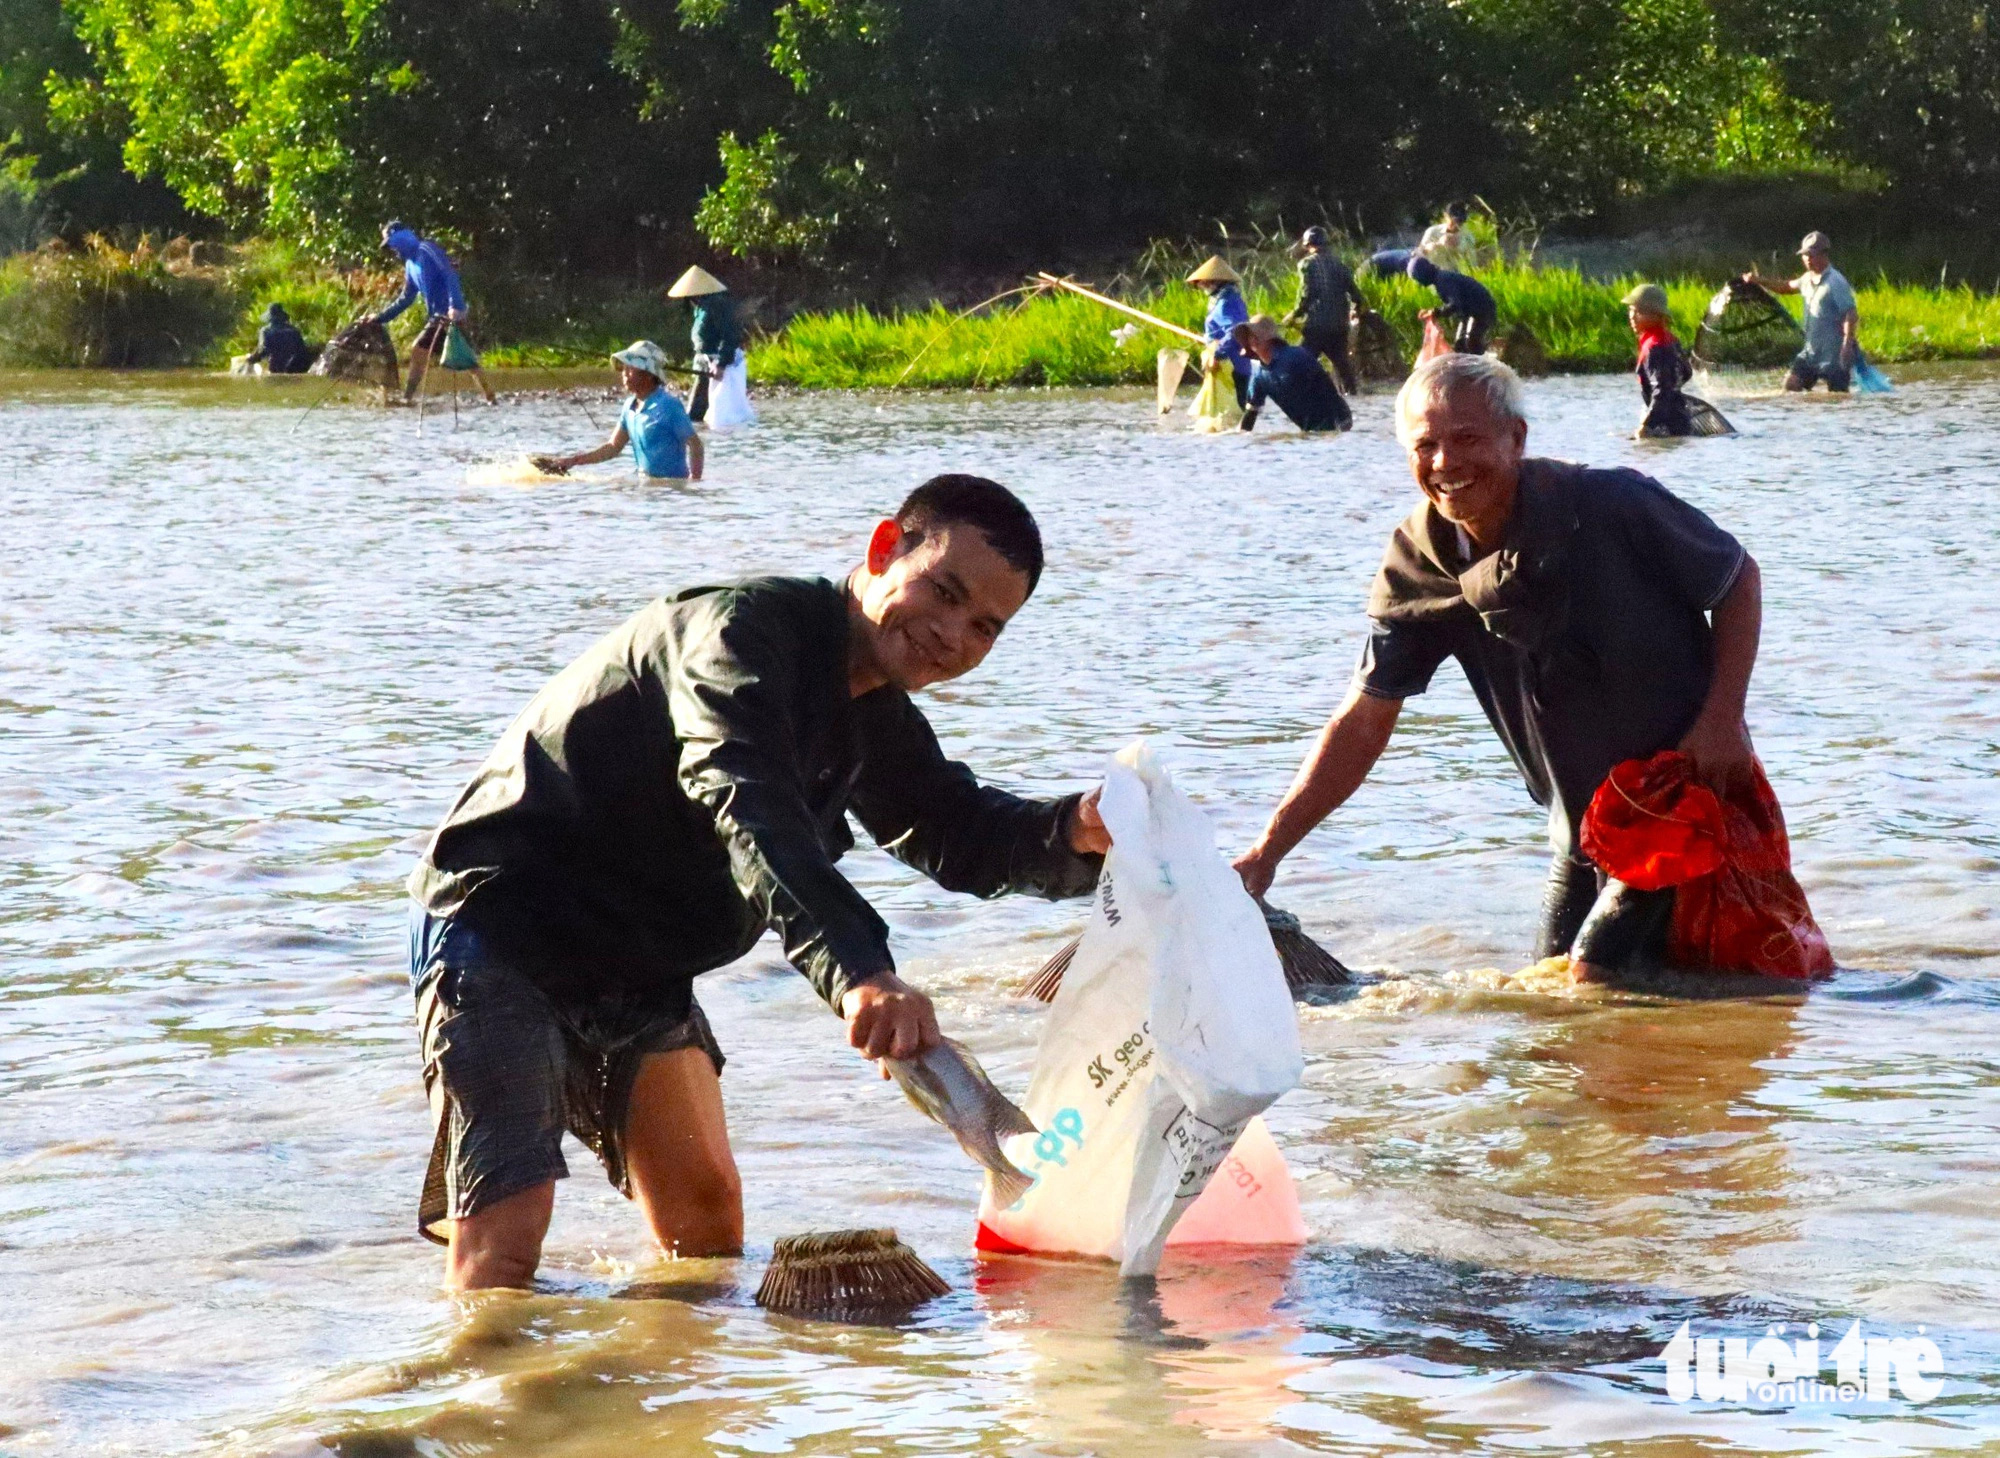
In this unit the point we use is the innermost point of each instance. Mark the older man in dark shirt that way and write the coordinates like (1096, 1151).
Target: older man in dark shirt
(678, 790)
(1597, 617)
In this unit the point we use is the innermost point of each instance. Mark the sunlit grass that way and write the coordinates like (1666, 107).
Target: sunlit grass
(1066, 340)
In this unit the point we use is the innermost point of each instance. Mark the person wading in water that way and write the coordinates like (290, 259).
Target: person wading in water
(679, 789)
(1290, 375)
(1326, 290)
(1598, 618)
(427, 274)
(1833, 320)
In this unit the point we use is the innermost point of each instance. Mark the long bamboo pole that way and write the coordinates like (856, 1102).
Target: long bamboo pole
(1049, 280)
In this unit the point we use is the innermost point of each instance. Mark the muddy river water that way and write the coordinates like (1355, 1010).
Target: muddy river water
(247, 657)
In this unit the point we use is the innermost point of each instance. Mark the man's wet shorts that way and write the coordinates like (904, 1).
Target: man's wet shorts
(508, 1069)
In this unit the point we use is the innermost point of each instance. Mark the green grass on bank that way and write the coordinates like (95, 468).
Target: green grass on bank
(107, 306)
(1065, 340)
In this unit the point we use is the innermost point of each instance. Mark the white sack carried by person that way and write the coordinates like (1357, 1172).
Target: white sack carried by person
(1172, 1031)
(729, 400)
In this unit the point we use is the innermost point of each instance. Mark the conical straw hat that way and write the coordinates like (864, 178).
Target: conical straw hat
(1215, 271)
(696, 282)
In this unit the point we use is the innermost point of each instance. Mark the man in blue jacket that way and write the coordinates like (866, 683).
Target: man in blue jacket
(1465, 299)
(1291, 375)
(427, 273)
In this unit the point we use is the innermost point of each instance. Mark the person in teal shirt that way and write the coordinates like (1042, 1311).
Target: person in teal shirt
(653, 423)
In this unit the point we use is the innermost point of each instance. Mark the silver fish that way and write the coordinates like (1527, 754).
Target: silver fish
(948, 1085)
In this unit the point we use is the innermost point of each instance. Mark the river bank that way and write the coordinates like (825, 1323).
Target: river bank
(1062, 340)
(195, 305)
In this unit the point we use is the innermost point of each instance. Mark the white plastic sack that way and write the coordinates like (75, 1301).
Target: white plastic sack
(729, 397)
(1172, 1030)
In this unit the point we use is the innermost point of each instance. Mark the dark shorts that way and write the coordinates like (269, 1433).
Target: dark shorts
(1603, 922)
(430, 338)
(507, 1070)
(1807, 371)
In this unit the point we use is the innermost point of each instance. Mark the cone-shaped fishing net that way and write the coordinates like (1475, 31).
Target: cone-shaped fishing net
(1217, 396)
(362, 354)
(1172, 365)
(1677, 414)
(1747, 327)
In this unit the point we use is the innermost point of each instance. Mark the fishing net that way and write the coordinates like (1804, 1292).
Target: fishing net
(458, 351)
(1435, 346)
(1217, 397)
(362, 354)
(1171, 365)
(1747, 327)
(1377, 355)
(1683, 415)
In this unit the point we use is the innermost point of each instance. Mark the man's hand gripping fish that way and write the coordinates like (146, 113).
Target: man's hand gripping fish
(948, 1084)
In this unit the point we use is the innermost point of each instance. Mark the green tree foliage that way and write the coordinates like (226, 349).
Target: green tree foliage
(1908, 88)
(985, 132)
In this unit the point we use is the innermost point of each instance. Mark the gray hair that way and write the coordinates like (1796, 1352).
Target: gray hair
(1437, 379)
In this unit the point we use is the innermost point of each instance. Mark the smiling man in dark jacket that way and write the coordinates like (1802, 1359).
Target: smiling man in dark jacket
(679, 789)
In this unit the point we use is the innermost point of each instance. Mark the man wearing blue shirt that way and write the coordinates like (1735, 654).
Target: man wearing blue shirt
(1465, 299)
(1291, 375)
(1831, 318)
(427, 273)
(656, 426)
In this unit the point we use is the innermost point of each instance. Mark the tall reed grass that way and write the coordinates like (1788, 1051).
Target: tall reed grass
(103, 306)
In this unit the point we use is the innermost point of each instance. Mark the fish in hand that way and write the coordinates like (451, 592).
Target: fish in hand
(948, 1085)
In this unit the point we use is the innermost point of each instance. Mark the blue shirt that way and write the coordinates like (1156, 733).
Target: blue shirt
(659, 429)
(427, 272)
(1226, 310)
(1829, 299)
(1302, 389)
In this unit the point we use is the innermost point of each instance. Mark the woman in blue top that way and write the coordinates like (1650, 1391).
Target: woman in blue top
(663, 440)
(1226, 310)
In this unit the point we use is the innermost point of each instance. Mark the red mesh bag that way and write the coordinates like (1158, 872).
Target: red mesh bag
(1651, 824)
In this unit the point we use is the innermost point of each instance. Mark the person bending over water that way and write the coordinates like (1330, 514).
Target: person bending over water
(1466, 301)
(664, 441)
(1578, 602)
(427, 274)
(679, 789)
(1291, 375)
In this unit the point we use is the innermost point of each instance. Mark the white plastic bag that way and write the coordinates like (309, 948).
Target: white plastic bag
(729, 397)
(1172, 1030)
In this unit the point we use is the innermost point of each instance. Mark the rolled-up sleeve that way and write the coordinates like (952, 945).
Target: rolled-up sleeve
(731, 711)
(1399, 659)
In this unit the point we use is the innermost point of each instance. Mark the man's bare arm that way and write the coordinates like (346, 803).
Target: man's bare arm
(1346, 751)
(591, 457)
(1719, 742)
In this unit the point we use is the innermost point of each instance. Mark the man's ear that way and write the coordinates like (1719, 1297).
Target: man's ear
(883, 547)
